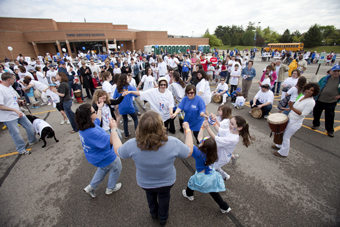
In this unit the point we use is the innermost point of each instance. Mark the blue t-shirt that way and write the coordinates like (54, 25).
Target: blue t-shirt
(126, 106)
(185, 67)
(155, 169)
(192, 109)
(30, 93)
(200, 158)
(97, 147)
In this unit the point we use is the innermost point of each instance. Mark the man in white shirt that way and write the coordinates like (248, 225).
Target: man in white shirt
(11, 115)
(263, 99)
(173, 62)
(51, 73)
(94, 67)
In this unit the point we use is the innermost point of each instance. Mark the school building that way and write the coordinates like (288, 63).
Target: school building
(32, 37)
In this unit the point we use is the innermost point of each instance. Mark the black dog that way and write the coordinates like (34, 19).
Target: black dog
(42, 128)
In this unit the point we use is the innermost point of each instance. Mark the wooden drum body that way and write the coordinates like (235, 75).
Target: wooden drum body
(77, 94)
(98, 87)
(217, 98)
(278, 123)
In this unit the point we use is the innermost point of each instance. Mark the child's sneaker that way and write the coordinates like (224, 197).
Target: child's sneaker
(110, 191)
(226, 211)
(234, 160)
(184, 193)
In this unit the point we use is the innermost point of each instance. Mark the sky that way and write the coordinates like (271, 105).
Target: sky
(182, 17)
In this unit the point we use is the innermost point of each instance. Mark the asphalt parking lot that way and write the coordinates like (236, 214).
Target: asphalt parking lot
(46, 187)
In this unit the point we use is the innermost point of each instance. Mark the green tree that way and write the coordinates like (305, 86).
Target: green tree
(328, 34)
(251, 26)
(286, 37)
(226, 39)
(234, 40)
(213, 40)
(248, 38)
(207, 31)
(273, 38)
(220, 31)
(313, 36)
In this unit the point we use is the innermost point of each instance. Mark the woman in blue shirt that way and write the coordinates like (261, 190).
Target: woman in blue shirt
(98, 148)
(194, 109)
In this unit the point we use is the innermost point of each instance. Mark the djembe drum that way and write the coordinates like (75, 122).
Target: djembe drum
(277, 123)
(217, 98)
(77, 94)
(256, 113)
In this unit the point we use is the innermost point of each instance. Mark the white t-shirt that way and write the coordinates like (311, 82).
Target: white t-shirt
(8, 98)
(162, 68)
(240, 100)
(39, 125)
(94, 68)
(117, 70)
(38, 85)
(22, 75)
(148, 82)
(211, 70)
(222, 87)
(159, 102)
(41, 78)
(226, 143)
(225, 123)
(266, 81)
(203, 86)
(293, 92)
(264, 97)
(178, 91)
(108, 88)
(51, 74)
(172, 62)
(106, 115)
(289, 81)
(236, 74)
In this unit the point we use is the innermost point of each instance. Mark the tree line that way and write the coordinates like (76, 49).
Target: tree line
(236, 35)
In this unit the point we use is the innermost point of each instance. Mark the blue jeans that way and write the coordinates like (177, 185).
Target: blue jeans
(277, 88)
(135, 105)
(13, 129)
(114, 168)
(265, 109)
(125, 118)
(70, 115)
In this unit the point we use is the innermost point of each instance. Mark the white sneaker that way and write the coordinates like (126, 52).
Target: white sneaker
(89, 190)
(226, 211)
(110, 191)
(62, 122)
(184, 193)
(43, 104)
(67, 122)
(49, 104)
(144, 107)
(129, 119)
(121, 131)
(121, 122)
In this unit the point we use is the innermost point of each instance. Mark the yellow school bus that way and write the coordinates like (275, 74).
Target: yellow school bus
(284, 46)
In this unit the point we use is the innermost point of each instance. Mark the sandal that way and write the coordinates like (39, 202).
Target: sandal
(127, 137)
(72, 132)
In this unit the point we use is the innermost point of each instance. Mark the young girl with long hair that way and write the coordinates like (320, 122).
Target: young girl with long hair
(206, 179)
(149, 82)
(177, 89)
(126, 106)
(224, 113)
(227, 139)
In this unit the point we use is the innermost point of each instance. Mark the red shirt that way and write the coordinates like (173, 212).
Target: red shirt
(204, 63)
(213, 60)
(223, 67)
(329, 57)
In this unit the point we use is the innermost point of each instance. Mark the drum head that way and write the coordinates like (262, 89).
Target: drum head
(277, 118)
(99, 88)
(217, 99)
(256, 113)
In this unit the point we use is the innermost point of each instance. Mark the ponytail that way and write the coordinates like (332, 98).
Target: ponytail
(244, 132)
(178, 79)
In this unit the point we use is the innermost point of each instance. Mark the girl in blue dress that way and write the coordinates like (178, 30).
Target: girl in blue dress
(206, 179)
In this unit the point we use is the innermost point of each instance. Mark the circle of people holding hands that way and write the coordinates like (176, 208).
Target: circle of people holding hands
(174, 87)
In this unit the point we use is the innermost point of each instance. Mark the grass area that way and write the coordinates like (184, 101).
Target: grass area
(328, 49)
(226, 47)
(318, 49)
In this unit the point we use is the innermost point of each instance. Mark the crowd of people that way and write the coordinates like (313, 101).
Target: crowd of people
(175, 85)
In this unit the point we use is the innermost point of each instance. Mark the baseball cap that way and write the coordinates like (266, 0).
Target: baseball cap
(50, 66)
(335, 68)
(62, 62)
(53, 85)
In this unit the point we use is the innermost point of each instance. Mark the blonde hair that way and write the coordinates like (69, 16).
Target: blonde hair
(99, 93)
(150, 132)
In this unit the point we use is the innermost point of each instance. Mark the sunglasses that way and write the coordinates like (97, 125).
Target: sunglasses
(93, 112)
(162, 84)
(191, 93)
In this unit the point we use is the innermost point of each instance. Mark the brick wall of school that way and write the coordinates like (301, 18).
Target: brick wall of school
(20, 33)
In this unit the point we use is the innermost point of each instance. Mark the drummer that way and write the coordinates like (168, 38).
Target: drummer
(221, 89)
(263, 99)
(299, 110)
